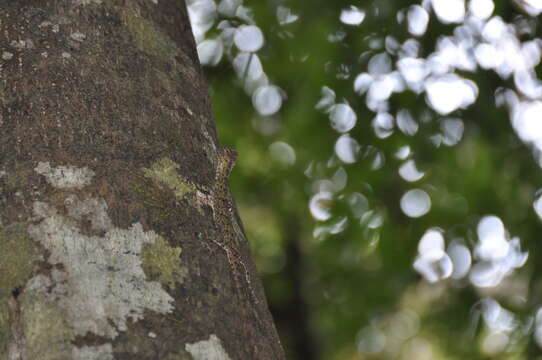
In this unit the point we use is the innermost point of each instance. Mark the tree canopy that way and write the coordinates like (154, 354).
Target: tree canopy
(389, 171)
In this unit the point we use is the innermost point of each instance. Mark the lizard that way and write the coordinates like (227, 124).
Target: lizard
(225, 220)
(232, 235)
(224, 216)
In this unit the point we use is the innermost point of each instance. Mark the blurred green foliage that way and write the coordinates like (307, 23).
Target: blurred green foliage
(354, 294)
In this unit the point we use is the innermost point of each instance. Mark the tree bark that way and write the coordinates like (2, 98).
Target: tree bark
(118, 238)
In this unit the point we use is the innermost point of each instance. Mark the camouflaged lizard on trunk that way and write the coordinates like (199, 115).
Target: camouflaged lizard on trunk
(224, 217)
(231, 235)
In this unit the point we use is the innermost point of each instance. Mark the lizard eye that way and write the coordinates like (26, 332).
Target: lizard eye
(232, 154)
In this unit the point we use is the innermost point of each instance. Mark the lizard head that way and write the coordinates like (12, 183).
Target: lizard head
(228, 153)
(226, 161)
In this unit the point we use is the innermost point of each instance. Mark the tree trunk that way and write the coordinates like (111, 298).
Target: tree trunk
(118, 238)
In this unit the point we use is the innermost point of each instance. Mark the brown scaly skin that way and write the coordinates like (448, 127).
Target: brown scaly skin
(232, 235)
(223, 213)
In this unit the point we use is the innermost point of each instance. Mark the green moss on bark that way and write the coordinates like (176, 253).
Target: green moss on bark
(162, 262)
(48, 336)
(17, 256)
(165, 171)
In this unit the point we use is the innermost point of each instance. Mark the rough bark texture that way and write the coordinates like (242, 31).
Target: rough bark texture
(109, 244)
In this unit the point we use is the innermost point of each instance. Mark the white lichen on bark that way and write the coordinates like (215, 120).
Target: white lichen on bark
(78, 36)
(87, 2)
(6, 55)
(22, 44)
(65, 177)
(103, 282)
(102, 352)
(207, 349)
(97, 281)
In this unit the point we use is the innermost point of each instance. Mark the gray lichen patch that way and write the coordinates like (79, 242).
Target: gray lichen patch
(16, 258)
(165, 171)
(22, 44)
(78, 36)
(101, 352)
(6, 55)
(102, 283)
(65, 177)
(54, 27)
(147, 38)
(87, 2)
(207, 349)
(162, 262)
